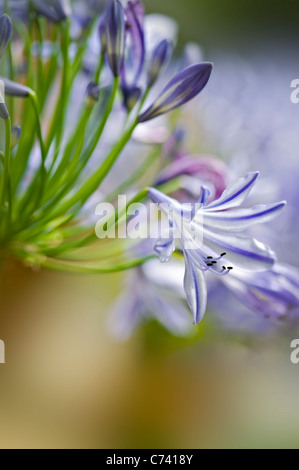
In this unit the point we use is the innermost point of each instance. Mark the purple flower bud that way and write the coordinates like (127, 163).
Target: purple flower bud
(15, 89)
(206, 171)
(4, 114)
(62, 8)
(159, 59)
(54, 10)
(131, 96)
(181, 89)
(16, 132)
(5, 32)
(115, 35)
(92, 94)
(135, 13)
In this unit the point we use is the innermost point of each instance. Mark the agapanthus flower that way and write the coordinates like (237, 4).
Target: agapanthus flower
(207, 237)
(143, 301)
(273, 293)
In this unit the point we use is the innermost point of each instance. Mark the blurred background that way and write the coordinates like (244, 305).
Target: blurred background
(67, 383)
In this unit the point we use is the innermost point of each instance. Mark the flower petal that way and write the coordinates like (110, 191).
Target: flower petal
(195, 288)
(235, 194)
(204, 195)
(164, 248)
(241, 219)
(173, 314)
(244, 252)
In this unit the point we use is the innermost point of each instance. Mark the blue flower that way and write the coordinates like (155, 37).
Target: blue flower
(208, 236)
(273, 293)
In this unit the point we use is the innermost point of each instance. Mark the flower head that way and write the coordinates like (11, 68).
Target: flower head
(208, 240)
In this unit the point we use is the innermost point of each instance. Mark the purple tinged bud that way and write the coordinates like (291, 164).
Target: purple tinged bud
(16, 132)
(62, 8)
(15, 89)
(135, 13)
(115, 35)
(5, 32)
(158, 61)
(181, 89)
(54, 10)
(92, 94)
(4, 114)
(131, 96)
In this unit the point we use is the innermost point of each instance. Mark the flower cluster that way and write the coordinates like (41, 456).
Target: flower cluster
(80, 88)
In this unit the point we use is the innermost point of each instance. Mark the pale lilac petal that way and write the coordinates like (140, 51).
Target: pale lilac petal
(173, 314)
(235, 194)
(241, 219)
(244, 252)
(195, 288)
(164, 248)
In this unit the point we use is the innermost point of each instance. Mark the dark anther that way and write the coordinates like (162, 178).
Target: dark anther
(214, 262)
(230, 267)
(223, 267)
(223, 254)
(209, 264)
(209, 257)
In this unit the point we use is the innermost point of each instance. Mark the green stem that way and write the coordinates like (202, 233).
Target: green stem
(73, 267)
(58, 118)
(5, 183)
(99, 69)
(50, 215)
